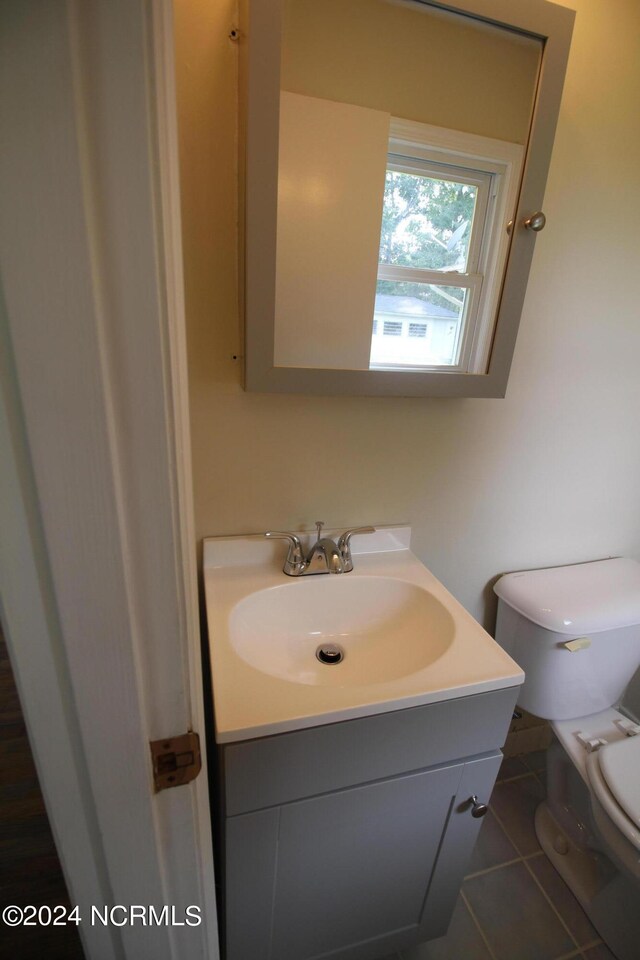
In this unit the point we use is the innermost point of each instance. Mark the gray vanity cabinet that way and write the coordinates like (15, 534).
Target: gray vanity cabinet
(371, 863)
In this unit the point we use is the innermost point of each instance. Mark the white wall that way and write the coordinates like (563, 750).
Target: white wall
(549, 475)
(384, 55)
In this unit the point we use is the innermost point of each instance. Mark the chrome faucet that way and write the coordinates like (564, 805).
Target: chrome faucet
(325, 555)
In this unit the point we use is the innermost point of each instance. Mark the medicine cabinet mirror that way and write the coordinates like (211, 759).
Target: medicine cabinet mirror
(396, 154)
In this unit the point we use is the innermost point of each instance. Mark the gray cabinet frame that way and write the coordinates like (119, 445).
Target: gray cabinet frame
(350, 841)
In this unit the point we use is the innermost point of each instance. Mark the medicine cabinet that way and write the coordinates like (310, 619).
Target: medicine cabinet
(395, 155)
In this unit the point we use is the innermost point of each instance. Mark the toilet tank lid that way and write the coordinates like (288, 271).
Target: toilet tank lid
(579, 599)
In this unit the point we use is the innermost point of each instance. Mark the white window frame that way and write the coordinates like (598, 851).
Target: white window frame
(420, 148)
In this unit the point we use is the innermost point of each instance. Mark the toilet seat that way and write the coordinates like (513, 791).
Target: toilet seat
(620, 766)
(614, 778)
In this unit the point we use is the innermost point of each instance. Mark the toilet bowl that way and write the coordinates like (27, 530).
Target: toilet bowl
(575, 631)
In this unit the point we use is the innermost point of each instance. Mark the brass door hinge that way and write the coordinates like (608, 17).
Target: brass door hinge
(176, 760)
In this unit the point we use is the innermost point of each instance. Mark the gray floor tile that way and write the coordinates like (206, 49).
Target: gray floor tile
(516, 919)
(600, 952)
(492, 846)
(462, 942)
(535, 761)
(563, 900)
(511, 767)
(514, 802)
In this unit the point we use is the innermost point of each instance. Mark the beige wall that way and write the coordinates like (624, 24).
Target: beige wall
(412, 62)
(551, 474)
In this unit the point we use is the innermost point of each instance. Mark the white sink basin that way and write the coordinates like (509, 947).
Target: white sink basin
(387, 629)
(406, 640)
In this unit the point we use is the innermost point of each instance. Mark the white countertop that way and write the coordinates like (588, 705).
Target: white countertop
(250, 703)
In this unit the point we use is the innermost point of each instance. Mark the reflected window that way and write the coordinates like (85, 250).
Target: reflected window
(442, 243)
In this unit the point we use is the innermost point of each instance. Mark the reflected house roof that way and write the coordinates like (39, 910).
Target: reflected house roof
(412, 308)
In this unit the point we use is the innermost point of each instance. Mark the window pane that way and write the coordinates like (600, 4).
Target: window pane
(418, 324)
(392, 328)
(426, 222)
(417, 329)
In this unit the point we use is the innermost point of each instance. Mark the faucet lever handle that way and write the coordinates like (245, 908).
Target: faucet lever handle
(319, 526)
(344, 545)
(346, 536)
(294, 560)
(295, 547)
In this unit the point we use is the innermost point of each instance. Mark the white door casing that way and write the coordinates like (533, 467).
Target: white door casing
(98, 549)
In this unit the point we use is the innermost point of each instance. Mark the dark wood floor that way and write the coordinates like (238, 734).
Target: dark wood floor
(30, 870)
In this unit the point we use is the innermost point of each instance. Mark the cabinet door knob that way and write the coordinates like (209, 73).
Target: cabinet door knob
(478, 809)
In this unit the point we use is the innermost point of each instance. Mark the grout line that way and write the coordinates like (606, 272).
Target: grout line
(574, 955)
(518, 776)
(592, 944)
(497, 866)
(502, 826)
(524, 856)
(506, 863)
(552, 905)
(541, 782)
(478, 926)
(505, 831)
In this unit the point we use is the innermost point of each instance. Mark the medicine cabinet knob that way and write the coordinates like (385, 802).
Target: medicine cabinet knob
(536, 222)
(478, 809)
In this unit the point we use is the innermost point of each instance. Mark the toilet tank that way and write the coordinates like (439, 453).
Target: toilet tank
(575, 631)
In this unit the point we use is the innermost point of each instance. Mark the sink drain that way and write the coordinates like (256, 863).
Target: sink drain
(330, 653)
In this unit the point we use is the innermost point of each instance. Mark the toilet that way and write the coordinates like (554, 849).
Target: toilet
(575, 631)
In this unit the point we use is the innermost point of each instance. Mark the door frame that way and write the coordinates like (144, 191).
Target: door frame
(98, 561)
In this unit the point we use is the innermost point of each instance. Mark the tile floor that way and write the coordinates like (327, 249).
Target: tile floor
(513, 905)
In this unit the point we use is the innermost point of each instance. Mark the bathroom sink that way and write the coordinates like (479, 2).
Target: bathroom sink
(393, 635)
(384, 628)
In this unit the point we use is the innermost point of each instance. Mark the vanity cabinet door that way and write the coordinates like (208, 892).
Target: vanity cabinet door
(351, 874)
(354, 866)
(478, 777)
